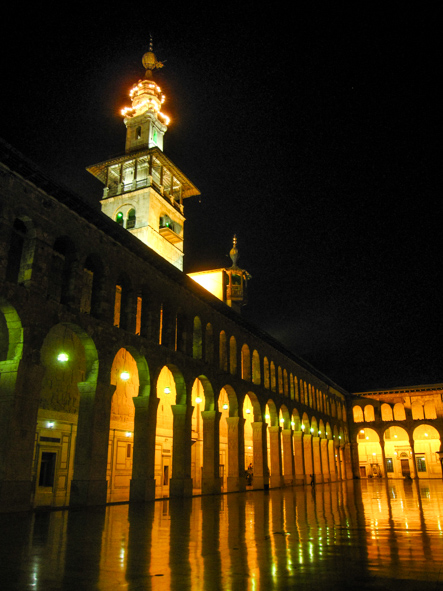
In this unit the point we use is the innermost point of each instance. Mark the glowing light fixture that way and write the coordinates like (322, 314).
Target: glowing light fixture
(302, 427)
(128, 433)
(339, 436)
(267, 416)
(225, 406)
(50, 424)
(319, 432)
(198, 400)
(248, 411)
(124, 375)
(362, 430)
(282, 420)
(292, 424)
(167, 390)
(426, 434)
(62, 357)
(312, 429)
(367, 437)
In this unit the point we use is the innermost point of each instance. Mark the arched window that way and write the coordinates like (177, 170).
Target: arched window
(256, 375)
(18, 268)
(266, 372)
(122, 303)
(273, 378)
(280, 380)
(430, 412)
(60, 273)
(369, 413)
(386, 412)
(245, 363)
(223, 352)
(232, 355)
(91, 286)
(357, 413)
(130, 220)
(399, 412)
(197, 339)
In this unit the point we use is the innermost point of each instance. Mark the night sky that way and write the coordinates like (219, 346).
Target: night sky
(311, 136)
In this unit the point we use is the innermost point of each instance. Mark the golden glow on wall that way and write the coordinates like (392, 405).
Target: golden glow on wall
(212, 281)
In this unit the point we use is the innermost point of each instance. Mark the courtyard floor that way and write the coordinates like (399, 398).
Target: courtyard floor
(354, 535)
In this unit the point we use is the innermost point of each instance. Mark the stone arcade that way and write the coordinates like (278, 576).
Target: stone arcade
(124, 379)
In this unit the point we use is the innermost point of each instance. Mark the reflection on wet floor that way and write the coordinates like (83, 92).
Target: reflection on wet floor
(355, 535)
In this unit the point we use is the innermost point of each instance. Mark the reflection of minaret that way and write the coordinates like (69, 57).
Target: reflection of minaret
(229, 285)
(144, 190)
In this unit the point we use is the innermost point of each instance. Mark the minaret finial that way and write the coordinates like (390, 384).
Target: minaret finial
(234, 252)
(149, 61)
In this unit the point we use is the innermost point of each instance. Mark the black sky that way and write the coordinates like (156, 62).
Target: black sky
(311, 136)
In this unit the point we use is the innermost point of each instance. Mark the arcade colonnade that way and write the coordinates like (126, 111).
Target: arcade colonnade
(120, 377)
(399, 435)
(157, 430)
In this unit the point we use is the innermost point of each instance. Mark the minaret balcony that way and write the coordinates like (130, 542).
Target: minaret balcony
(121, 188)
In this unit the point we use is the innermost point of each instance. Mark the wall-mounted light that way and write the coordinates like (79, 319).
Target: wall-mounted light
(282, 420)
(319, 432)
(267, 416)
(128, 434)
(302, 427)
(167, 390)
(362, 430)
(248, 411)
(225, 406)
(426, 434)
(124, 376)
(198, 400)
(292, 424)
(62, 357)
(312, 429)
(50, 424)
(339, 436)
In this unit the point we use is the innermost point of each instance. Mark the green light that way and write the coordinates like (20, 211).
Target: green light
(62, 357)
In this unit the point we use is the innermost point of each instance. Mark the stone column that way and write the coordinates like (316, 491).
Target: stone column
(307, 454)
(181, 482)
(298, 457)
(341, 458)
(260, 465)
(414, 462)
(275, 456)
(338, 462)
(89, 486)
(142, 487)
(332, 465)
(316, 457)
(348, 460)
(383, 456)
(325, 460)
(288, 457)
(355, 460)
(236, 480)
(211, 483)
(18, 420)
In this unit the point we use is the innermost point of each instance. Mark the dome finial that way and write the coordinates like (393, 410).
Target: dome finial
(149, 60)
(234, 252)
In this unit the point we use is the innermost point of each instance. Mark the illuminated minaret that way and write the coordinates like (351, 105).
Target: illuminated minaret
(229, 285)
(144, 190)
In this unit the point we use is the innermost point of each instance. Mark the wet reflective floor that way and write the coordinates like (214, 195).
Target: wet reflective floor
(354, 535)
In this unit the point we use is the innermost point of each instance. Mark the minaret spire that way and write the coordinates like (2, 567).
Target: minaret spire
(144, 120)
